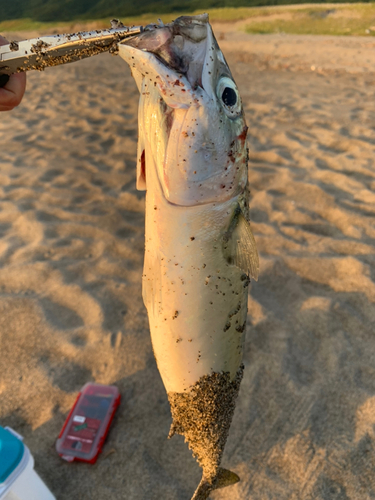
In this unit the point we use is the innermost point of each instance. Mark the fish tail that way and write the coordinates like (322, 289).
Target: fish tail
(222, 479)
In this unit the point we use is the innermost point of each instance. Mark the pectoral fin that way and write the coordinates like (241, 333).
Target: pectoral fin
(239, 245)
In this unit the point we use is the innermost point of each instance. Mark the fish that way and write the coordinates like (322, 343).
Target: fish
(200, 252)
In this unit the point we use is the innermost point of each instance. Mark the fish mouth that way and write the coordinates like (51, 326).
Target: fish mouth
(183, 129)
(186, 46)
(180, 45)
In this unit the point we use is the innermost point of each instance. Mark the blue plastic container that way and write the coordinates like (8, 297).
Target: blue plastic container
(11, 453)
(18, 480)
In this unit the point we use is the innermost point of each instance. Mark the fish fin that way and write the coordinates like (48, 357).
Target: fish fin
(239, 245)
(223, 478)
(203, 491)
(172, 431)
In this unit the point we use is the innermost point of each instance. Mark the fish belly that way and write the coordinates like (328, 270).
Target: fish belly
(197, 309)
(196, 301)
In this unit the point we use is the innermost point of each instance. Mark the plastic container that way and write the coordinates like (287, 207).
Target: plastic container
(87, 425)
(18, 479)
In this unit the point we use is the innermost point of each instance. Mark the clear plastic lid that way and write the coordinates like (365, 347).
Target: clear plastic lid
(88, 422)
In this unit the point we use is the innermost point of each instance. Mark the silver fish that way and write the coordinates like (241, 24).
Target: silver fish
(200, 251)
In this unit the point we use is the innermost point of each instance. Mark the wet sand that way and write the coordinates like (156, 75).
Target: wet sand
(71, 254)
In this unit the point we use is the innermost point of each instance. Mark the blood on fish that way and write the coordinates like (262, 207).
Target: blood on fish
(143, 166)
(242, 136)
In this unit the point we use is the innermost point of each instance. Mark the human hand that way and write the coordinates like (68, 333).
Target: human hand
(12, 92)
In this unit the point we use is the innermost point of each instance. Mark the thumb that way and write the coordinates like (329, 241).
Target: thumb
(12, 92)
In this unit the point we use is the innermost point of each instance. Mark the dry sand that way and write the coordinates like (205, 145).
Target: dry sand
(71, 253)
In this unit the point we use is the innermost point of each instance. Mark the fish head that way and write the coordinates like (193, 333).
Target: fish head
(192, 129)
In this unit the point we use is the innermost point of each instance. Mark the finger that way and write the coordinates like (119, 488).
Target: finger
(4, 108)
(3, 80)
(11, 94)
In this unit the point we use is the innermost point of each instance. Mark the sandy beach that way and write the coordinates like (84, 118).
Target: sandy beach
(71, 256)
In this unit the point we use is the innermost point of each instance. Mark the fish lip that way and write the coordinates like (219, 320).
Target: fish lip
(147, 66)
(178, 46)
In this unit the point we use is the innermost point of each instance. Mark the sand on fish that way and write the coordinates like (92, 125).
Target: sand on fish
(71, 254)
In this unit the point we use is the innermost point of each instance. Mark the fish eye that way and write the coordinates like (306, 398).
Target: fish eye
(229, 97)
